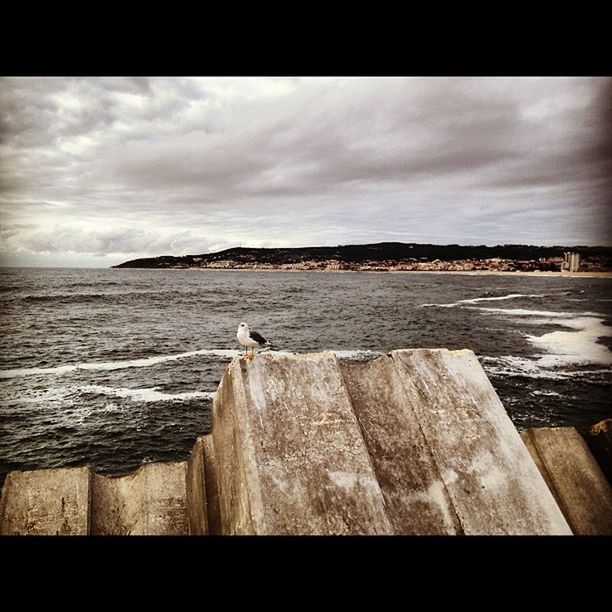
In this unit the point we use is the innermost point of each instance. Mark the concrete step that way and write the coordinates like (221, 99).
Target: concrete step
(157, 499)
(290, 457)
(415, 442)
(151, 501)
(446, 454)
(46, 502)
(574, 478)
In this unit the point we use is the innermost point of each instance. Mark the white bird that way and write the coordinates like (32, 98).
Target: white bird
(249, 338)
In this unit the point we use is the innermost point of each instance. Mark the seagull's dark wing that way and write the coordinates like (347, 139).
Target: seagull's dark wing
(257, 337)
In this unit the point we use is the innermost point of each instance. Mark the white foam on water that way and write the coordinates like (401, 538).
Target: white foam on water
(146, 395)
(576, 347)
(546, 393)
(510, 296)
(562, 348)
(118, 365)
(523, 312)
(39, 396)
(518, 367)
(152, 361)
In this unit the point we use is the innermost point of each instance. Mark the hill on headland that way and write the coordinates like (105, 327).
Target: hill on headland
(384, 253)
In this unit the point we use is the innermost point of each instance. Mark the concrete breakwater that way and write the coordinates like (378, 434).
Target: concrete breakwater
(415, 442)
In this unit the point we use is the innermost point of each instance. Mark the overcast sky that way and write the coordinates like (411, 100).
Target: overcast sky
(95, 171)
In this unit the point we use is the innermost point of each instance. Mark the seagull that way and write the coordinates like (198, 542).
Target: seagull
(249, 338)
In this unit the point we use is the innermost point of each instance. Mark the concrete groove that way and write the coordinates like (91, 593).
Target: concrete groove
(460, 530)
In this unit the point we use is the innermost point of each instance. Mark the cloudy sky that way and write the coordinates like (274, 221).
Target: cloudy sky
(95, 171)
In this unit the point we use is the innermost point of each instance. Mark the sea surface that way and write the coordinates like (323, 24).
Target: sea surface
(113, 368)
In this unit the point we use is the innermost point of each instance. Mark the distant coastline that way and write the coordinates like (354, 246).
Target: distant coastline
(395, 257)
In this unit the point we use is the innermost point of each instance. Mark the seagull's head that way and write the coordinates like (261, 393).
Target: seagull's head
(243, 326)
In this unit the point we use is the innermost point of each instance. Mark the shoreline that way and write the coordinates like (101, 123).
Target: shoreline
(463, 272)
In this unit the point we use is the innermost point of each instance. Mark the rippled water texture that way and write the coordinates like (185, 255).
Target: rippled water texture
(113, 368)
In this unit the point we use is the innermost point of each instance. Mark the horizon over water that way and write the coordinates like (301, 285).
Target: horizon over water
(115, 367)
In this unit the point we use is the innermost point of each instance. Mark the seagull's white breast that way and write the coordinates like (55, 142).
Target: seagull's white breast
(244, 338)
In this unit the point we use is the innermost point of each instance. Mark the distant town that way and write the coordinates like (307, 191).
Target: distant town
(394, 257)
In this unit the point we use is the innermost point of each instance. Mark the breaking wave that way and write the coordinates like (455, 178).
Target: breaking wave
(558, 349)
(523, 367)
(563, 348)
(510, 296)
(152, 361)
(574, 347)
(146, 395)
(523, 312)
(117, 365)
(70, 395)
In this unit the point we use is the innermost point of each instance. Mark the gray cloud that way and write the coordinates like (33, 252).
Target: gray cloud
(97, 170)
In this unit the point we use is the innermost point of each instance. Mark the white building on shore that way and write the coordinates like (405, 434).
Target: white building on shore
(571, 262)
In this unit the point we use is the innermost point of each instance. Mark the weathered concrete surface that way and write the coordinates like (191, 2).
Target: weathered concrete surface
(151, 501)
(46, 502)
(574, 477)
(446, 454)
(416, 499)
(76, 501)
(290, 454)
(196, 490)
(599, 439)
(416, 442)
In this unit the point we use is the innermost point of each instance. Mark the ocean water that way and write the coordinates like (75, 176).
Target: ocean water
(113, 368)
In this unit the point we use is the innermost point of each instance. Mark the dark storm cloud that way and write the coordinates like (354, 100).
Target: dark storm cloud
(136, 166)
